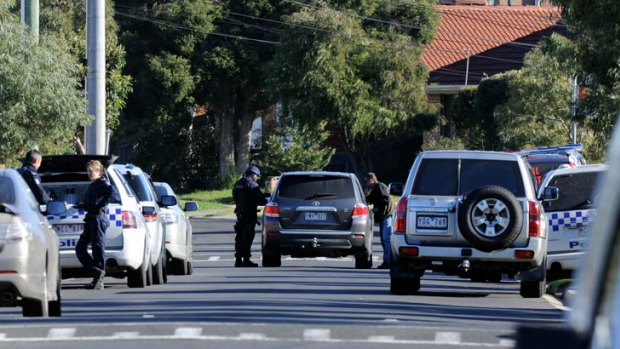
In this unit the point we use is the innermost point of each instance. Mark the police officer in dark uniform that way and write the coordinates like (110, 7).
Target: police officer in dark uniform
(248, 197)
(32, 162)
(98, 195)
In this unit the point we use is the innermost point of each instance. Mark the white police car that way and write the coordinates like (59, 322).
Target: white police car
(543, 160)
(566, 194)
(127, 244)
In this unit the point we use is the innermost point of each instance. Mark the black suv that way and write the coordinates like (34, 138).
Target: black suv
(314, 214)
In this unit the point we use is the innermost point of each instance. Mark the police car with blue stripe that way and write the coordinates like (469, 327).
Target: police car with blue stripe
(127, 242)
(566, 194)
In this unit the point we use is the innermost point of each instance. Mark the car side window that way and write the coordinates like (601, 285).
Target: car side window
(7, 193)
(436, 177)
(575, 192)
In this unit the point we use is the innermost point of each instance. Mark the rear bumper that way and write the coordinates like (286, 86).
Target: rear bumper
(498, 259)
(308, 243)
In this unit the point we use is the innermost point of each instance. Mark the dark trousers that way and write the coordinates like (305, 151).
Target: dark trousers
(244, 230)
(94, 234)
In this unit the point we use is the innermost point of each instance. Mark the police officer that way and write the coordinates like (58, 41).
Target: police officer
(96, 222)
(248, 197)
(32, 162)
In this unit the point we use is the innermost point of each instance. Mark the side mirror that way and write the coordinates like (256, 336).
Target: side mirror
(168, 200)
(396, 188)
(190, 206)
(56, 207)
(551, 194)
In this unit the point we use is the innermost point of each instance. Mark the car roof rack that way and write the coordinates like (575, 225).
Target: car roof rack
(565, 149)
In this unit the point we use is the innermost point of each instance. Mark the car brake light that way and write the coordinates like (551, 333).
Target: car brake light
(129, 220)
(151, 217)
(401, 216)
(360, 210)
(524, 254)
(534, 219)
(272, 210)
(571, 164)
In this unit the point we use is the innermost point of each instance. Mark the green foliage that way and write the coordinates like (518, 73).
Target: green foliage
(595, 27)
(491, 92)
(41, 99)
(364, 77)
(297, 148)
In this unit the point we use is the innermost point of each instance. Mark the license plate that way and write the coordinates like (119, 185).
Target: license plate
(432, 222)
(64, 229)
(316, 216)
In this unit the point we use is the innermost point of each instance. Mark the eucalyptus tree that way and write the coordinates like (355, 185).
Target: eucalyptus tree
(357, 66)
(41, 99)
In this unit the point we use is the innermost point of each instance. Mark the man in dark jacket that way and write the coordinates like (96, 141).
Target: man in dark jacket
(98, 195)
(32, 162)
(379, 197)
(248, 197)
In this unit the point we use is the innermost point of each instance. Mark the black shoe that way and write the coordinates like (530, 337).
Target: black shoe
(249, 264)
(384, 265)
(97, 283)
(238, 263)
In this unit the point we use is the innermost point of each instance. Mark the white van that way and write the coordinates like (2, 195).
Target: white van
(566, 195)
(127, 244)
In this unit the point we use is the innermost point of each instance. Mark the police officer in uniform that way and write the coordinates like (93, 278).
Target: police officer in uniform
(32, 162)
(97, 197)
(248, 197)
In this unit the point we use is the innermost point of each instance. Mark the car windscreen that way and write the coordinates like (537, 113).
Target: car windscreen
(7, 191)
(575, 192)
(478, 173)
(315, 187)
(140, 186)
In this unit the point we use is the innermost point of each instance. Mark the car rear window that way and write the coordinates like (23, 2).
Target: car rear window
(439, 176)
(315, 187)
(140, 186)
(575, 192)
(7, 192)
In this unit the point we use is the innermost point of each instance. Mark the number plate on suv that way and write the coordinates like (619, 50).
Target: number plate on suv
(432, 222)
(316, 216)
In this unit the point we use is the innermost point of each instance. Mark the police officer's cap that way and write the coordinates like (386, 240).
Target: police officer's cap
(252, 170)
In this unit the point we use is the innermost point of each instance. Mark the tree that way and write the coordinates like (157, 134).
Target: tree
(41, 97)
(295, 148)
(595, 27)
(361, 74)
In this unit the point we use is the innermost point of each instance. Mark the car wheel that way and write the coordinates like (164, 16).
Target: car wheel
(190, 268)
(55, 306)
(272, 260)
(138, 278)
(159, 273)
(490, 218)
(532, 289)
(404, 286)
(179, 267)
(363, 261)
(34, 307)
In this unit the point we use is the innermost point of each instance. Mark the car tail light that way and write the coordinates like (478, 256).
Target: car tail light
(150, 217)
(535, 219)
(272, 210)
(524, 254)
(409, 251)
(401, 216)
(360, 210)
(14, 231)
(129, 220)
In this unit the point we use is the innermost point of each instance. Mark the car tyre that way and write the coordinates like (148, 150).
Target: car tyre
(159, 270)
(179, 267)
(363, 261)
(404, 286)
(532, 289)
(138, 278)
(477, 218)
(54, 307)
(190, 268)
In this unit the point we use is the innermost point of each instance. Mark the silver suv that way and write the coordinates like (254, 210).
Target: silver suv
(473, 214)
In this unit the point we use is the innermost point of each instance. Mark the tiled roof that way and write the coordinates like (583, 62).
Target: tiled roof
(470, 30)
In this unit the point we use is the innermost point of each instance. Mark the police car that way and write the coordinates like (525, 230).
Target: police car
(543, 160)
(127, 244)
(566, 195)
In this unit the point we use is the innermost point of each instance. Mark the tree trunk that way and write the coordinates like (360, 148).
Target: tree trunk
(227, 143)
(244, 141)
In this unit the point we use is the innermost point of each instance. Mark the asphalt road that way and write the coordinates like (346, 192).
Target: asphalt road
(306, 303)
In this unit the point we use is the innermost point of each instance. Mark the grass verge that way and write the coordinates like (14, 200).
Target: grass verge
(220, 202)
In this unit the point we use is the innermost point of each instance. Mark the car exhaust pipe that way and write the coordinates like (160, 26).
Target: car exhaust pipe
(7, 297)
(464, 269)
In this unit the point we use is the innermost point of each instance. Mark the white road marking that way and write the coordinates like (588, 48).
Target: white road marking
(59, 333)
(555, 302)
(213, 258)
(188, 332)
(448, 337)
(381, 339)
(127, 334)
(316, 334)
(2, 335)
(252, 336)
(507, 342)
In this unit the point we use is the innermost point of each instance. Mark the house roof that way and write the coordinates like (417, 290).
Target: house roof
(471, 30)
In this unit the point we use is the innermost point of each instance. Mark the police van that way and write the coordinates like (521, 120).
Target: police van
(543, 160)
(127, 242)
(566, 195)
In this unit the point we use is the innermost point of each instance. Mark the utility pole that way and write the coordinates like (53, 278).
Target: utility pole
(95, 133)
(574, 122)
(467, 67)
(30, 16)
